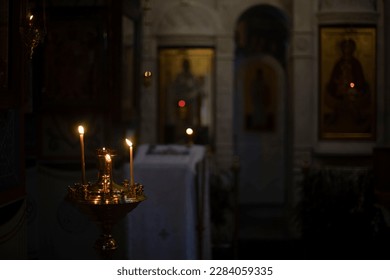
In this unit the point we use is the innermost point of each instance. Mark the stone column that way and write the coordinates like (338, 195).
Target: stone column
(224, 101)
(148, 96)
(303, 69)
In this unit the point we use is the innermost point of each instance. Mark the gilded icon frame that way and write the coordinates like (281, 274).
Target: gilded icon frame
(172, 118)
(347, 83)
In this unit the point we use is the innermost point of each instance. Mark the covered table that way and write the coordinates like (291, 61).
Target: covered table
(173, 223)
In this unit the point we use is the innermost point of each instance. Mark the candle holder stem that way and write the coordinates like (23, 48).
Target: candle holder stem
(106, 243)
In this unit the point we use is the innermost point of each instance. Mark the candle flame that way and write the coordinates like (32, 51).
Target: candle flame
(31, 17)
(81, 129)
(129, 142)
(108, 158)
(352, 85)
(189, 131)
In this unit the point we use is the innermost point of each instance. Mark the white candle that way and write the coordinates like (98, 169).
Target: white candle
(81, 131)
(131, 161)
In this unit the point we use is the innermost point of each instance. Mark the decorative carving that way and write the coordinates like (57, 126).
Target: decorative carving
(350, 5)
(348, 11)
(187, 18)
(348, 17)
(302, 44)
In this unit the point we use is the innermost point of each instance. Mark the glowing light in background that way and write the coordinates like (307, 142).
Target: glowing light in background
(181, 103)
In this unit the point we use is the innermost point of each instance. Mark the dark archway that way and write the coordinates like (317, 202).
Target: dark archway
(260, 114)
(262, 29)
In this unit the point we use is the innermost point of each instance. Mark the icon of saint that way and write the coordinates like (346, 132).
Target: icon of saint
(347, 93)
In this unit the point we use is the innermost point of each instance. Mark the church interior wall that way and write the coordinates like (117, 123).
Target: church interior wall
(302, 146)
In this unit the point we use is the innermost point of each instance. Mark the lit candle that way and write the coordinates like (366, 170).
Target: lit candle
(108, 164)
(81, 131)
(189, 132)
(131, 161)
(30, 19)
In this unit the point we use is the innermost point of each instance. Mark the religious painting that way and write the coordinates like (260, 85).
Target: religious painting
(260, 92)
(72, 83)
(347, 83)
(75, 61)
(186, 86)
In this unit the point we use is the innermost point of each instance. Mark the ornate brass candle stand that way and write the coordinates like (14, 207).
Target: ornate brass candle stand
(105, 201)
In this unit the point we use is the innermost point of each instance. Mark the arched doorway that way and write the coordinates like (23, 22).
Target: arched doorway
(260, 110)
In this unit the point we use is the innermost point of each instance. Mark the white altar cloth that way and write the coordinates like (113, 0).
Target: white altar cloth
(166, 225)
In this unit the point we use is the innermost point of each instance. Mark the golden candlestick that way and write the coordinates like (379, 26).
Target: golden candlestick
(105, 201)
